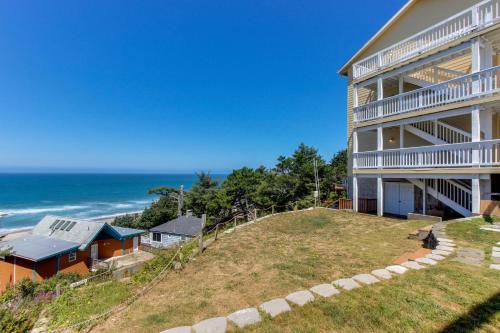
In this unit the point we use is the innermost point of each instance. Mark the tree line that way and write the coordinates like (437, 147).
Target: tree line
(289, 184)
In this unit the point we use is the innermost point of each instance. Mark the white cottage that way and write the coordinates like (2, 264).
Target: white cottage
(175, 231)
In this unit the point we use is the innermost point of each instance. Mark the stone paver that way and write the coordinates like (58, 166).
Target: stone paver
(245, 317)
(439, 239)
(445, 248)
(470, 256)
(435, 257)
(447, 244)
(366, 278)
(300, 297)
(275, 307)
(441, 252)
(183, 329)
(495, 257)
(495, 266)
(325, 290)
(382, 274)
(397, 269)
(212, 325)
(426, 261)
(495, 249)
(347, 284)
(498, 243)
(412, 265)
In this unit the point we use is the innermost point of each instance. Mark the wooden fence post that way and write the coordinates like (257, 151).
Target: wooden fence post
(272, 210)
(235, 223)
(255, 215)
(216, 230)
(200, 241)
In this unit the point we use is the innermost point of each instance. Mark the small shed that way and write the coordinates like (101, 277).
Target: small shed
(175, 231)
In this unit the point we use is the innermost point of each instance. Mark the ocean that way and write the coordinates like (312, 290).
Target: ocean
(26, 198)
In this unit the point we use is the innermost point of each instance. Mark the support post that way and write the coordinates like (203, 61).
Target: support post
(380, 145)
(201, 246)
(216, 230)
(355, 148)
(355, 193)
(355, 98)
(380, 96)
(401, 84)
(380, 196)
(255, 215)
(272, 210)
(476, 133)
(476, 63)
(424, 198)
(476, 195)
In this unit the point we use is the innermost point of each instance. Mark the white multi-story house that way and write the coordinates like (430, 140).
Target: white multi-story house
(424, 111)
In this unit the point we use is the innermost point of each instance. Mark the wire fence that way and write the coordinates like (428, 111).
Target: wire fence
(211, 234)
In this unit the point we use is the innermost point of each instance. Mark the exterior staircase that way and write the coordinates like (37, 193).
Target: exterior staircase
(438, 132)
(455, 194)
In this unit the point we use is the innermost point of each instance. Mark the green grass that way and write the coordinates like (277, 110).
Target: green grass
(468, 234)
(441, 298)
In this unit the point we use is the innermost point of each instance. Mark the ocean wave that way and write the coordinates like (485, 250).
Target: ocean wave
(39, 210)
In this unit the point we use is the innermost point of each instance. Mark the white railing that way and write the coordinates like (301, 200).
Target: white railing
(452, 190)
(478, 16)
(456, 90)
(469, 154)
(443, 131)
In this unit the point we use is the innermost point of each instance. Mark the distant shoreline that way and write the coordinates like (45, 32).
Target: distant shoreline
(21, 232)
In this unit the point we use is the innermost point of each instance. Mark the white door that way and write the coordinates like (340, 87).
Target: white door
(398, 198)
(406, 199)
(136, 244)
(391, 198)
(94, 251)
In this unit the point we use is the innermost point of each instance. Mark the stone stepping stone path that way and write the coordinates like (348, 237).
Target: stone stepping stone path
(212, 325)
(382, 274)
(441, 252)
(397, 269)
(470, 256)
(300, 298)
(347, 284)
(366, 278)
(412, 265)
(445, 248)
(325, 290)
(275, 307)
(426, 261)
(495, 266)
(245, 317)
(495, 256)
(435, 257)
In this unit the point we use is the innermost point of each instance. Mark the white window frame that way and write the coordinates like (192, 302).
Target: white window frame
(153, 237)
(72, 256)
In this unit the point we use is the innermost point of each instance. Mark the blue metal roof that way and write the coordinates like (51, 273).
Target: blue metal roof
(127, 232)
(37, 247)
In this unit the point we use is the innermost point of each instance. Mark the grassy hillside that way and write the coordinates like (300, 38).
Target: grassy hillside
(269, 259)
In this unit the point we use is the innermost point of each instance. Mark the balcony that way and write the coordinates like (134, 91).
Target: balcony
(470, 154)
(474, 18)
(463, 88)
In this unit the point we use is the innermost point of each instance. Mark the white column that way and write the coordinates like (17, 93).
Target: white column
(355, 148)
(380, 94)
(476, 195)
(476, 132)
(380, 196)
(476, 63)
(355, 193)
(401, 84)
(380, 145)
(424, 198)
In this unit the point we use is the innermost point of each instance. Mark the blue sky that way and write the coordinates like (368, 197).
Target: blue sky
(174, 86)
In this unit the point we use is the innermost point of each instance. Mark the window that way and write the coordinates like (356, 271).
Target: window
(72, 256)
(157, 237)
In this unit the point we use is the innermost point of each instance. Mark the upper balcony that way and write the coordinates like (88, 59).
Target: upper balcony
(472, 19)
(462, 88)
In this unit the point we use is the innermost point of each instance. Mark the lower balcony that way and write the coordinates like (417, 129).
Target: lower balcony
(469, 154)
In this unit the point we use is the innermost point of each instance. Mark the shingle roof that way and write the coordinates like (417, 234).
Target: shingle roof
(183, 225)
(37, 248)
(79, 231)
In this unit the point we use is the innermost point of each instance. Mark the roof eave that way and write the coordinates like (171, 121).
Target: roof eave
(344, 70)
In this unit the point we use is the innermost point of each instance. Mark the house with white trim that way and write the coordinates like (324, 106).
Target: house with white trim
(424, 111)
